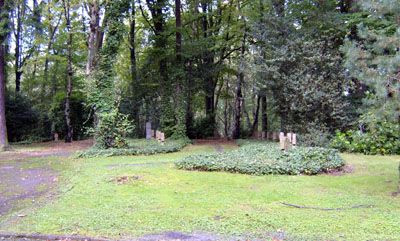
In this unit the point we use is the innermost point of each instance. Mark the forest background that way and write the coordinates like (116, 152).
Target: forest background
(201, 68)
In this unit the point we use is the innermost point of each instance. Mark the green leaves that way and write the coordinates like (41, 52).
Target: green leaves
(264, 159)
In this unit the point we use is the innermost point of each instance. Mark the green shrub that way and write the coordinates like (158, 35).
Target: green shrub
(256, 158)
(379, 137)
(112, 130)
(145, 147)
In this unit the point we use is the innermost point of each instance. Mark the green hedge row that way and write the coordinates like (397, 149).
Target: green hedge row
(142, 147)
(256, 158)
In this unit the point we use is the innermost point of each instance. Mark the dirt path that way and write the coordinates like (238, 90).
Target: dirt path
(23, 181)
(46, 149)
(215, 143)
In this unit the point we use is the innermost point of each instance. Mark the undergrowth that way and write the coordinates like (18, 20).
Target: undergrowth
(263, 158)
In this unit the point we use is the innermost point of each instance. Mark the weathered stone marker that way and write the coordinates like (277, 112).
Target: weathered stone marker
(287, 144)
(294, 141)
(162, 138)
(282, 139)
(153, 134)
(158, 136)
(268, 135)
(56, 137)
(289, 136)
(263, 135)
(148, 130)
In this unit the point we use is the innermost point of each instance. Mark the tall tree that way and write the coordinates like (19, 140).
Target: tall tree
(4, 23)
(67, 16)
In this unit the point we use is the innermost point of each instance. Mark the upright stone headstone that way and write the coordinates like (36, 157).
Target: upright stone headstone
(56, 137)
(294, 140)
(268, 135)
(282, 140)
(162, 138)
(157, 135)
(287, 144)
(289, 136)
(148, 130)
(263, 135)
(153, 134)
(274, 136)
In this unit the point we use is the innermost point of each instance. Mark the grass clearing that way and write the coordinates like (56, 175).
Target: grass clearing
(161, 198)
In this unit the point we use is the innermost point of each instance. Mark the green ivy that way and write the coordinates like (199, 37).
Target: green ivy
(266, 158)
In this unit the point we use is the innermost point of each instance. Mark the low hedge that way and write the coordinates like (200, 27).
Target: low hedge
(142, 147)
(263, 158)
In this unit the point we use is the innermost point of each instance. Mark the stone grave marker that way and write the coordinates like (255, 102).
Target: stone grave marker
(162, 138)
(287, 144)
(294, 140)
(148, 130)
(289, 136)
(282, 140)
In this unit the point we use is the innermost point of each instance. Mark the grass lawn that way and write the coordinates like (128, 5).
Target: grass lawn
(115, 198)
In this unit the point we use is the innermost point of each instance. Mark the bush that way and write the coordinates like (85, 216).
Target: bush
(146, 147)
(379, 137)
(202, 128)
(112, 130)
(316, 136)
(78, 116)
(21, 119)
(265, 158)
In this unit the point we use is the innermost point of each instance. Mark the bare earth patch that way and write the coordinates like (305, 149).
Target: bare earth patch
(21, 186)
(48, 149)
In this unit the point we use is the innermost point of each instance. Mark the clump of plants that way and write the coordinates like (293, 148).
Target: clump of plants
(379, 136)
(264, 158)
(146, 147)
(112, 130)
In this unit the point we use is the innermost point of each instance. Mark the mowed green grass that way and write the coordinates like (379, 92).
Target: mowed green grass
(163, 198)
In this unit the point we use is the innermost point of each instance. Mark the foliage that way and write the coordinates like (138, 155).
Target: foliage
(266, 158)
(301, 65)
(112, 130)
(21, 118)
(202, 128)
(79, 119)
(144, 148)
(373, 57)
(379, 136)
(316, 136)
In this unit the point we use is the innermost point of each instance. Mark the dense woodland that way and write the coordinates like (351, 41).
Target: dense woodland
(199, 69)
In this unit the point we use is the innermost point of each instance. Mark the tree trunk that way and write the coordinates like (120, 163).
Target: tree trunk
(264, 116)
(180, 111)
(238, 97)
(3, 127)
(134, 85)
(255, 117)
(68, 138)
(17, 55)
(94, 36)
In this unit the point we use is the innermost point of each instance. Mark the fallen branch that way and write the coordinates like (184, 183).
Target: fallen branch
(328, 209)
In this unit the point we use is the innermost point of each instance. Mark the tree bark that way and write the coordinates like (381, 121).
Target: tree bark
(238, 97)
(181, 117)
(264, 116)
(134, 85)
(68, 138)
(3, 127)
(95, 36)
(255, 117)
(17, 55)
